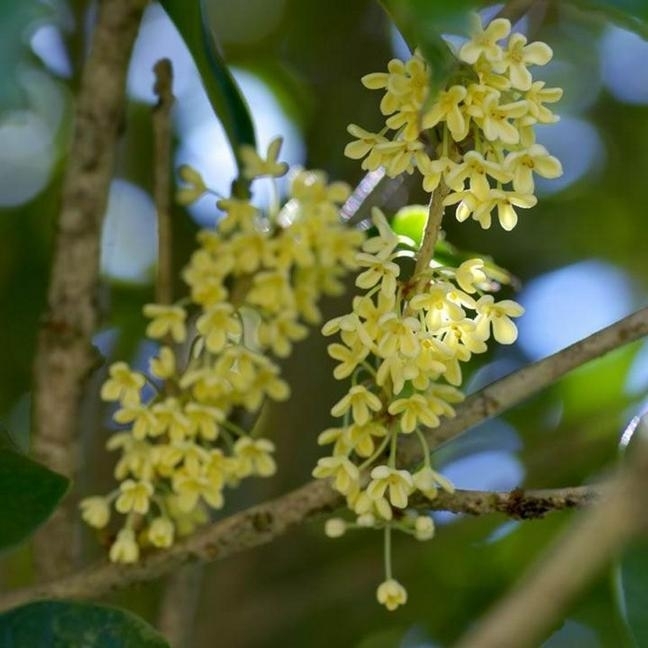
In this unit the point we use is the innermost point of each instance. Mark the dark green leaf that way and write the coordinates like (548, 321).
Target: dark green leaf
(190, 19)
(28, 494)
(63, 624)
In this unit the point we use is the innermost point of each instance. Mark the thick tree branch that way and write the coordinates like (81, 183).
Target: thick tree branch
(530, 610)
(261, 524)
(64, 356)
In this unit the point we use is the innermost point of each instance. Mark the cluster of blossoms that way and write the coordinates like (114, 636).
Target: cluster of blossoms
(476, 137)
(253, 282)
(406, 337)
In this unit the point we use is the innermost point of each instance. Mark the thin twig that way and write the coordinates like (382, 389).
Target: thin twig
(162, 177)
(263, 523)
(531, 609)
(432, 228)
(64, 355)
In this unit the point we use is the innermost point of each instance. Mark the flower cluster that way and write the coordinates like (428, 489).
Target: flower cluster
(402, 345)
(477, 135)
(406, 337)
(254, 281)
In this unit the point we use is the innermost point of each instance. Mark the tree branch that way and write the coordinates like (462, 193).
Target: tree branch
(162, 178)
(436, 209)
(64, 356)
(263, 523)
(523, 617)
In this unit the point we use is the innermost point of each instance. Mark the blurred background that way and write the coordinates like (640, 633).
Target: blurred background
(580, 256)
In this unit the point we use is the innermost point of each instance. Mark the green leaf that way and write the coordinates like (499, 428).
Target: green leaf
(63, 624)
(19, 21)
(629, 14)
(633, 586)
(422, 22)
(28, 493)
(190, 19)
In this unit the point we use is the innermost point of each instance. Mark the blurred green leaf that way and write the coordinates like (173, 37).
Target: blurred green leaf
(633, 573)
(630, 14)
(190, 19)
(19, 20)
(422, 22)
(62, 624)
(28, 493)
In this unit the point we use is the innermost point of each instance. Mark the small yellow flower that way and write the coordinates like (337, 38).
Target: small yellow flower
(163, 366)
(166, 320)
(344, 473)
(125, 549)
(144, 421)
(134, 496)
(160, 532)
(413, 410)
(254, 166)
(335, 528)
(216, 324)
(95, 511)
(498, 317)
(123, 385)
(391, 594)
(204, 419)
(195, 185)
(484, 41)
(254, 457)
(361, 402)
(424, 528)
(518, 55)
(398, 482)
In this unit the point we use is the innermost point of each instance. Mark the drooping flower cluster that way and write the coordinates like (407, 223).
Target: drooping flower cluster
(405, 340)
(477, 135)
(254, 281)
(402, 345)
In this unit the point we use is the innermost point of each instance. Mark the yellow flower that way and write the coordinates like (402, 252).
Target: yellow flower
(446, 108)
(271, 290)
(124, 549)
(216, 324)
(471, 274)
(195, 185)
(95, 511)
(398, 482)
(344, 473)
(278, 332)
(398, 335)
(518, 55)
(123, 385)
(254, 457)
(361, 437)
(423, 528)
(413, 410)
(426, 480)
(204, 419)
(144, 421)
(360, 401)
(254, 166)
(134, 496)
(335, 527)
(160, 532)
(391, 594)
(483, 41)
(522, 164)
(172, 419)
(166, 320)
(498, 317)
(163, 365)
(238, 213)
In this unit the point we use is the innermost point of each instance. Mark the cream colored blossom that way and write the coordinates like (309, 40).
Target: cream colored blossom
(125, 548)
(391, 594)
(134, 496)
(166, 320)
(161, 532)
(255, 457)
(123, 385)
(360, 402)
(398, 484)
(254, 166)
(95, 511)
